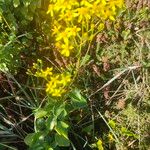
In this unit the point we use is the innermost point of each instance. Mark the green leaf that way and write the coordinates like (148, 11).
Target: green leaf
(51, 122)
(40, 124)
(61, 140)
(78, 101)
(58, 110)
(50, 149)
(29, 139)
(40, 113)
(62, 115)
(62, 129)
(16, 3)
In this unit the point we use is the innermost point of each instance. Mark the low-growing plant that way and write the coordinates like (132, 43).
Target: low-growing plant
(73, 28)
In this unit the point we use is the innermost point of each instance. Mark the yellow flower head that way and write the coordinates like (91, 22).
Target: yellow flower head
(72, 31)
(83, 14)
(110, 137)
(56, 85)
(65, 79)
(65, 49)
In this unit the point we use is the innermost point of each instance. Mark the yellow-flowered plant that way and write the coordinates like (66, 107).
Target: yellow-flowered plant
(55, 82)
(74, 23)
(72, 19)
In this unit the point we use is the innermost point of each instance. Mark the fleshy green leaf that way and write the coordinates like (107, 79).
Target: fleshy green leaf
(62, 115)
(51, 122)
(62, 129)
(40, 113)
(61, 140)
(29, 139)
(58, 110)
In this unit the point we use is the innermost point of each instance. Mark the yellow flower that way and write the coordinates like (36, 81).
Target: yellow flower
(110, 137)
(112, 18)
(92, 26)
(85, 36)
(44, 73)
(51, 10)
(65, 79)
(72, 31)
(83, 13)
(54, 81)
(65, 49)
(58, 45)
(52, 84)
(57, 83)
(62, 36)
(58, 92)
(100, 145)
(68, 16)
(63, 5)
(47, 72)
(85, 3)
(56, 29)
(118, 3)
(101, 26)
(108, 14)
(103, 2)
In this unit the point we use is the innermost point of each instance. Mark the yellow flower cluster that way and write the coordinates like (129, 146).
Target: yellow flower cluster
(71, 19)
(56, 83)
(44, 73)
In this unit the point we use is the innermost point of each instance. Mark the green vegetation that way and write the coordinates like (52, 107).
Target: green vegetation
(74, 75)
